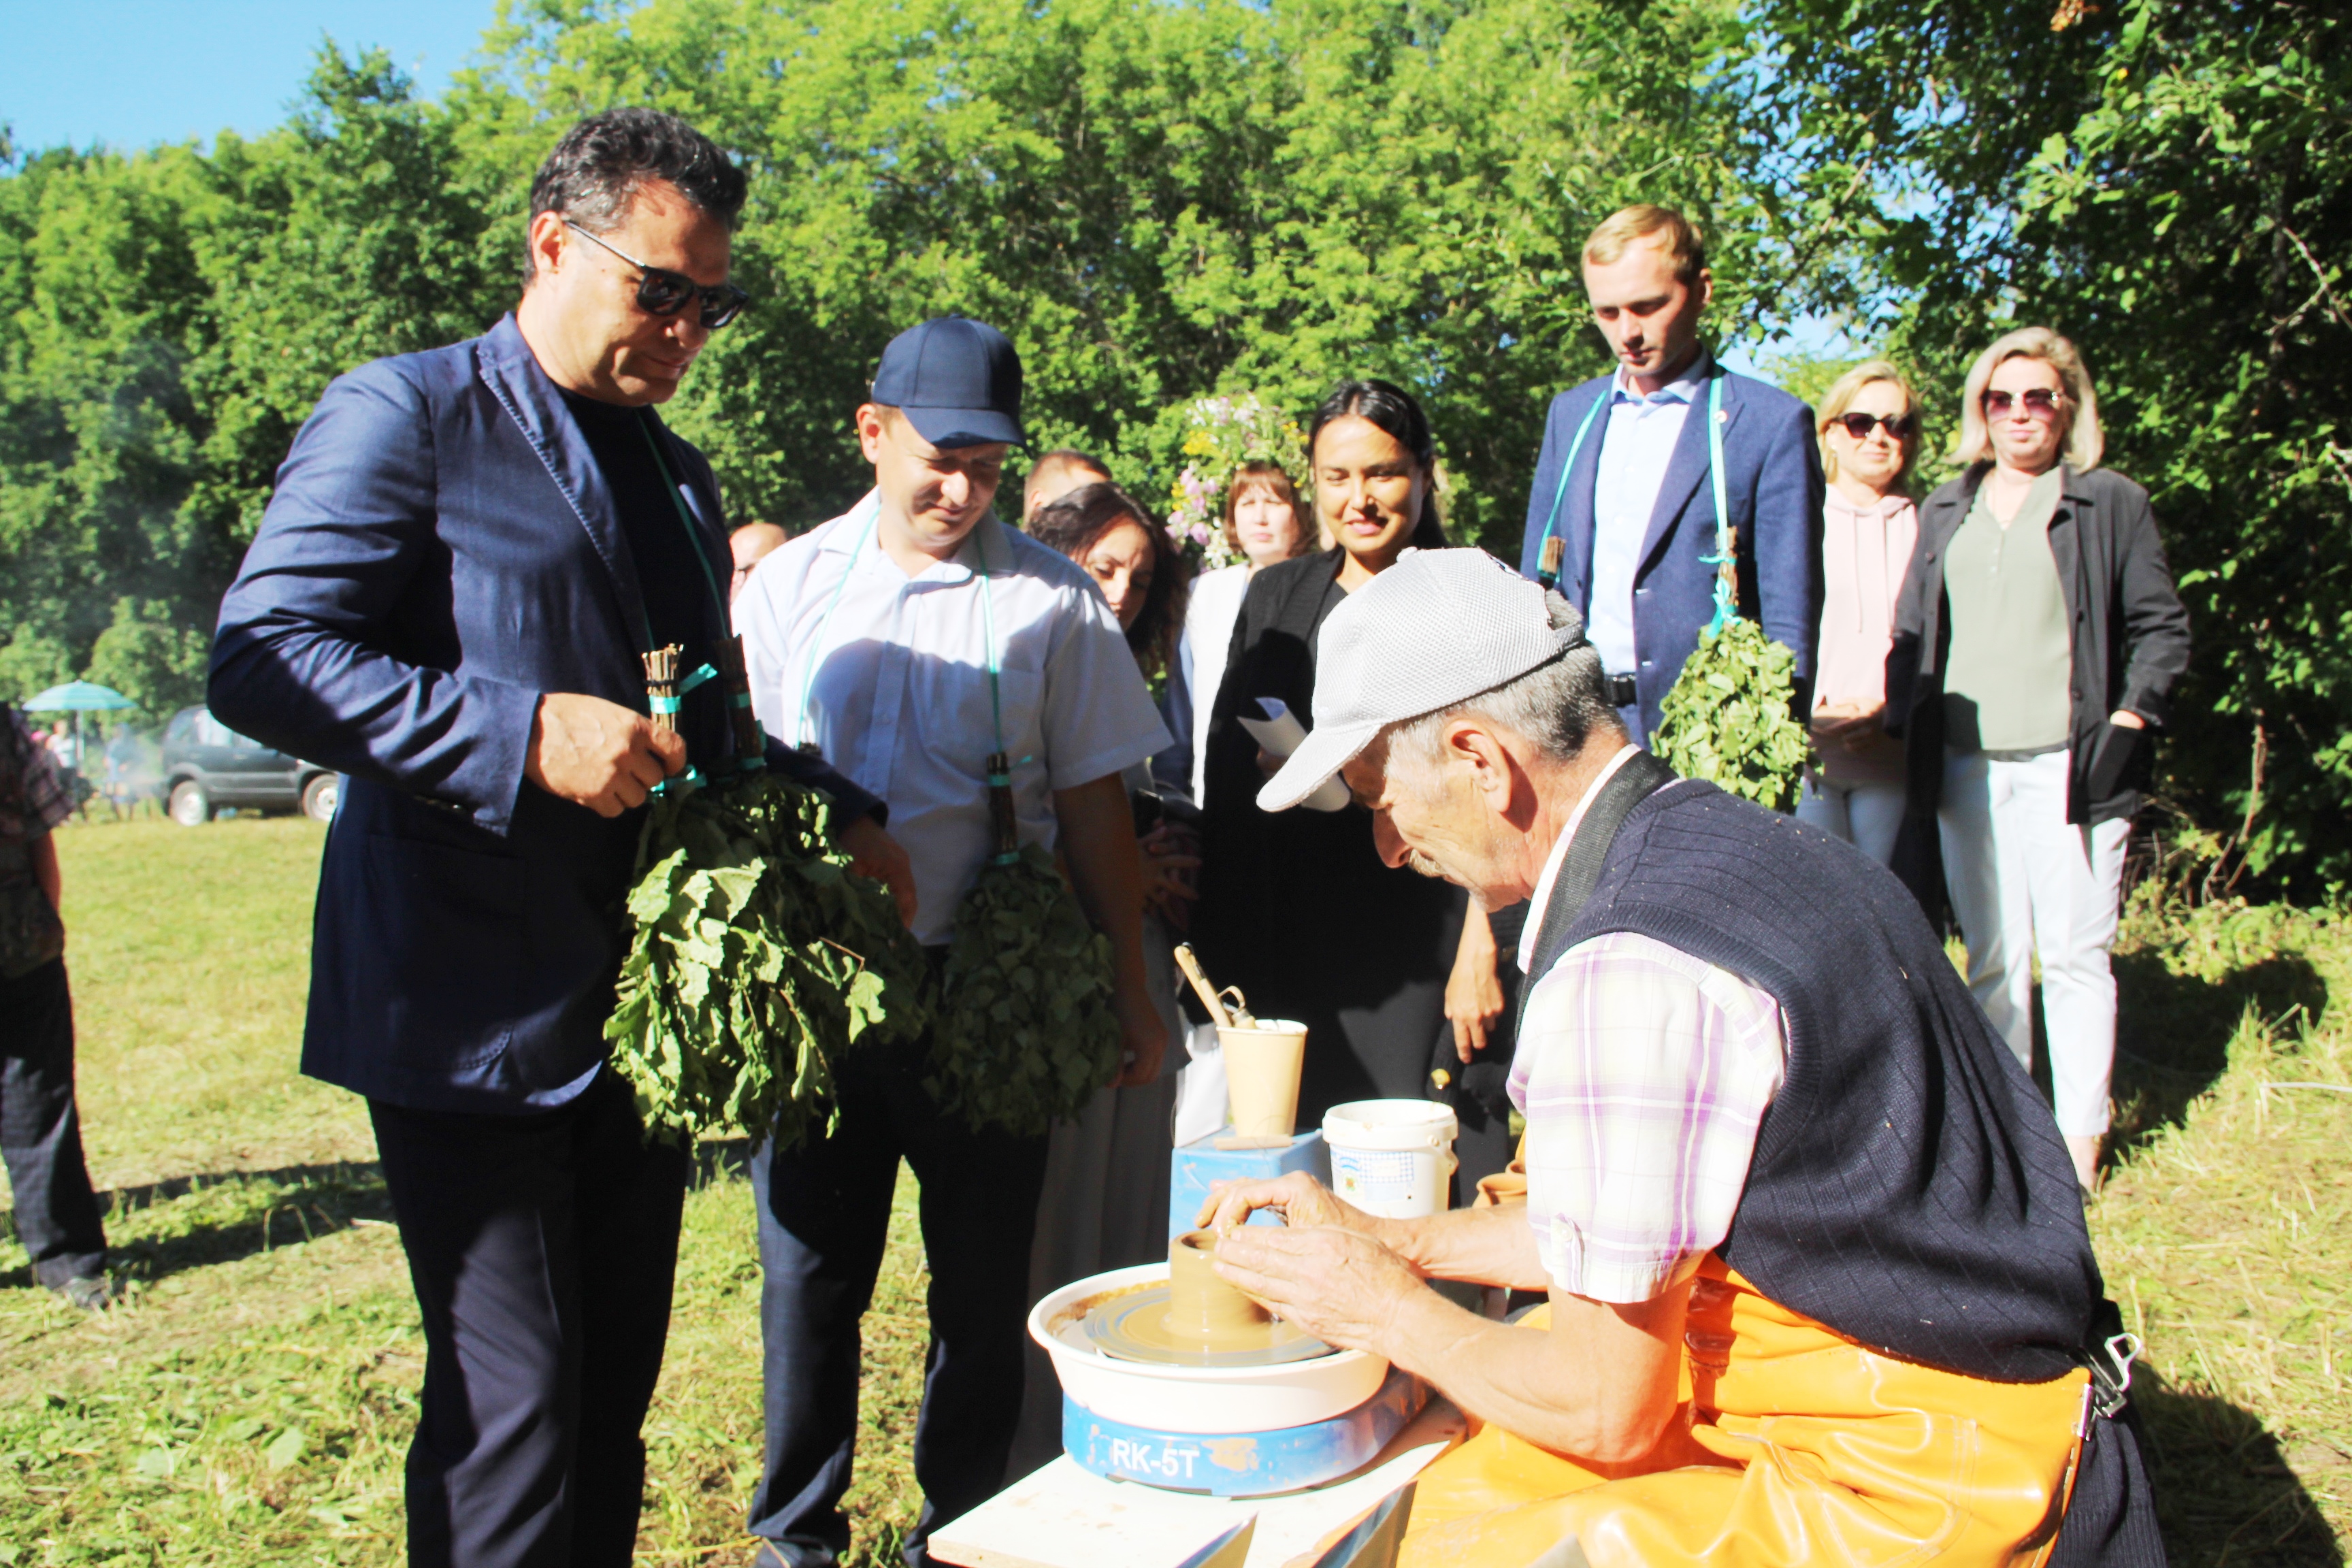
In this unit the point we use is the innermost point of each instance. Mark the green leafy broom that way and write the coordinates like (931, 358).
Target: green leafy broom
(1025, 1032)
(1728, 718)
(756, 960)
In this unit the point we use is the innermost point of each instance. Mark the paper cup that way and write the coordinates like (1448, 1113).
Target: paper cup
(1262, 1066)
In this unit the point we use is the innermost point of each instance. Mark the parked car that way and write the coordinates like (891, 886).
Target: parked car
(208, 767)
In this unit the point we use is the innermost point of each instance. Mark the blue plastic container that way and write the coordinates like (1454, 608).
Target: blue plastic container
(1244, 1463)
(1192, 1167)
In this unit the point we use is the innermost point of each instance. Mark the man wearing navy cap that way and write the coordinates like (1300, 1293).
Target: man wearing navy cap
(905, 641)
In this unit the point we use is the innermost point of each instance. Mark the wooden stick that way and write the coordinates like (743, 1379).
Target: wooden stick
(1207, 993)
(1004, 826)
(661, 686)
(750, 741)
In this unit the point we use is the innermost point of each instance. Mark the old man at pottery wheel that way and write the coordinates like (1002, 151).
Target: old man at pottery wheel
(1819, 1286)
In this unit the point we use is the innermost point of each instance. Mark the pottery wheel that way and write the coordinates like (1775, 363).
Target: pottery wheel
(1133, 1326)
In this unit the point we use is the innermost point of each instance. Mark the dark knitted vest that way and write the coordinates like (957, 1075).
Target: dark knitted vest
(1909, 1188)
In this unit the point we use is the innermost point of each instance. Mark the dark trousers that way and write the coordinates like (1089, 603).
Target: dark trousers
(542, 1247)
(1478, 1089)
(40, 1131)
(825, 1216)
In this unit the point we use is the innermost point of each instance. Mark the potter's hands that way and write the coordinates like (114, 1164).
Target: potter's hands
(1474, 995)
(1340, 1286)
(1298, 1198)
(597, 753)
(1143, 1038)
(874, 853)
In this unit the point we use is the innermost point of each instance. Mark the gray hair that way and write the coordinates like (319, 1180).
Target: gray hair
(1557, 705)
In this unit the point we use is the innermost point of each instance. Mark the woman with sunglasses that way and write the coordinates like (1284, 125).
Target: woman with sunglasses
(2035, 645)
(1869, 427)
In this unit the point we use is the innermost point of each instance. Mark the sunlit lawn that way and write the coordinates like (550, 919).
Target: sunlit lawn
(252, 1402)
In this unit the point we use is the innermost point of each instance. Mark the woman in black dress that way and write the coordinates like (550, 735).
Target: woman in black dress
(1296, 907)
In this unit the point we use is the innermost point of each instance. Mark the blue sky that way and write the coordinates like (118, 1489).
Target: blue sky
(130, 73)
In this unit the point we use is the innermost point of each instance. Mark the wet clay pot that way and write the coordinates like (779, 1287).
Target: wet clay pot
(1203, 1308)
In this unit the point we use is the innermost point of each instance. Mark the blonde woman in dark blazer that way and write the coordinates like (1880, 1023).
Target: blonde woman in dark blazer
(2035, 647)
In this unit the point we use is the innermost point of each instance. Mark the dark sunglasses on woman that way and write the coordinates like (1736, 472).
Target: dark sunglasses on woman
(661, 293)
(1859, 426)
(2041, 401)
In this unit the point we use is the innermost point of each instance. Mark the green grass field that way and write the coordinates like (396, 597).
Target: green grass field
(251, 1402)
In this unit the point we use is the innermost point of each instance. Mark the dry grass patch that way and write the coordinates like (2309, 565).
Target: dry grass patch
(2226, 1230)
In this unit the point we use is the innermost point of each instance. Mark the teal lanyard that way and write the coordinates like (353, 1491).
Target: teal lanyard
(1000, 763)
(1725, 604)
(692, 777)
(1726, 551)
(988, 621)
(1560, 494)
(999, 775)
(825, 630)
(686, 520)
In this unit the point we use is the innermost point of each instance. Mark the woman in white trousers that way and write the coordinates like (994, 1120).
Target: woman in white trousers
(1869, 428)
(2035, 645)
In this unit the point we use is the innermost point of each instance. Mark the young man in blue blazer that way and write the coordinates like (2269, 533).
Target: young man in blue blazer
(1624, 483)
(1623, 520)
(467, 551)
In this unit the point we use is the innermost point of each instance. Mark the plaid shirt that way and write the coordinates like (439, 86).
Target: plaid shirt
(33, 794)
(1643, 1074)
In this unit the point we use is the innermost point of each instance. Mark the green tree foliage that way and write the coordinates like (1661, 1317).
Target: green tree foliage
(170, 319)
(2165, 182)
(1156, 200)
(1159, 200)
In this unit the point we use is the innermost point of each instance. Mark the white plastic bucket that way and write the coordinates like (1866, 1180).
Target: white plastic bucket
(1393, 1158)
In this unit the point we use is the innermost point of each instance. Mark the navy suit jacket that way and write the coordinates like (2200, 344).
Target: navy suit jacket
(441, 550)
(1772, 482)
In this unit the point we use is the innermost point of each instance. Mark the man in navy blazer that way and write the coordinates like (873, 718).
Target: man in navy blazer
(467, 552)
(1622, 519)
(1635, 511)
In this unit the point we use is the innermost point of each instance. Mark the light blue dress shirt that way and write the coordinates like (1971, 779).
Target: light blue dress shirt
(1636, 445)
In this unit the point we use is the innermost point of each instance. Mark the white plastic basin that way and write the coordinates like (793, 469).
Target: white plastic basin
(1206, 1400)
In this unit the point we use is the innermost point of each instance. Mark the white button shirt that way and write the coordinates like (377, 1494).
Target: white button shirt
(888, 675)
(1636, 445)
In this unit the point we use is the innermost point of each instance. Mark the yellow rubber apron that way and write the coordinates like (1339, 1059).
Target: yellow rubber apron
(1794, 1445)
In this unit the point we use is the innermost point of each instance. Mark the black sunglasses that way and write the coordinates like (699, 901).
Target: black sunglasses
(1859, 426)
(661, 293)
(2038, 400)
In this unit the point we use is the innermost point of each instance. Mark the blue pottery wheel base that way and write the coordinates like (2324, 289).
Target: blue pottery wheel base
(1243, 1464)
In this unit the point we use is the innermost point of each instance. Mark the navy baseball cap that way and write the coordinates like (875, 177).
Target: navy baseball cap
(957, 382)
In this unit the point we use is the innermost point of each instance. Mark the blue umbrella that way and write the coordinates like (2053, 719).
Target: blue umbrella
(77, 696)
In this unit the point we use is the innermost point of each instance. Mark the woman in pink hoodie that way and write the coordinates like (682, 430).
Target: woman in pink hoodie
(1869, 425)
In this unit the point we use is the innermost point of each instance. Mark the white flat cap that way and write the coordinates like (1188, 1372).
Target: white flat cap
(1437, 628)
